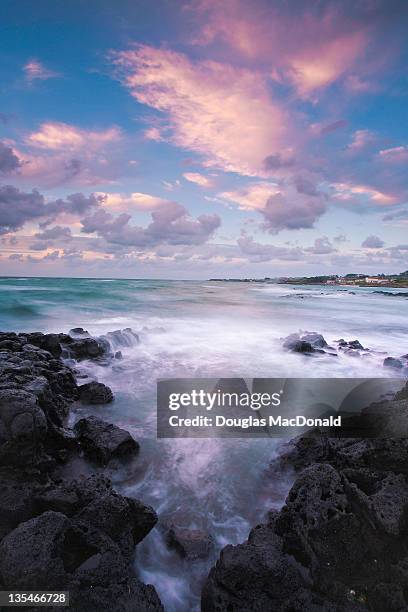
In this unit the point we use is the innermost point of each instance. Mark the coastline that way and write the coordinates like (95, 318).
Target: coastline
(58, 532)
(78, 534)
(338, 544)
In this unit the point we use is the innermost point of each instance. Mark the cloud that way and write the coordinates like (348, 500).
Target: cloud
(357, 85)
(18, 207)
(361, 197)
(257, 252)
(171, 224)
(74, 204)
(340, 238)
(171, 186)
(293, 204)
(8, 160)
(322, 246)
(72, 168)
(57, 136)
(51, 256)
(306, 187)
(333, 127)
(394, 216)
(309, 45)
(397, 155)
(362, 139)
(278, 161)
(54, 232)
(282, 213)
(372, 242)
(34, 70)
(223, 113)
(53, 169)
(322, 67)
(58, 153)
(198, 179)
(135, 201)
(251, 197)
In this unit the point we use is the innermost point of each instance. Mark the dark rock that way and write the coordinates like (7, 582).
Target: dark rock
(48, 342)
(86, 348)
(403, 394)
(23, 427)
(78, 331)
(28, 558)
(129, 595)
(259, 576)
(103, 441)
(17, 498)
(77, 536)
(354, 345)
(315, 339)
(301, 347)
(307, 342)
(59, 499)
(127, 521)
(295, 344)
(11, 345)
(392, 362)
(92, 487)
(54, 552)
(190, 543)
(95, 393)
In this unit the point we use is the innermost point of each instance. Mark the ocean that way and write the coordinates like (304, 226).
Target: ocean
(202, 329)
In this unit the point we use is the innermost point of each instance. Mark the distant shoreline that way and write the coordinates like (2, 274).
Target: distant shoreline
(401, 284)
(382, 285)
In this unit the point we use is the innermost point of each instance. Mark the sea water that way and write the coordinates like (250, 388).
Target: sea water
(203, 329)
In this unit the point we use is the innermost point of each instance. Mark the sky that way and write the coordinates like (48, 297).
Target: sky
(203, 138)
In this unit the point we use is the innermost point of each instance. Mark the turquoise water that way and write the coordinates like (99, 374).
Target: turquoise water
(207, 329)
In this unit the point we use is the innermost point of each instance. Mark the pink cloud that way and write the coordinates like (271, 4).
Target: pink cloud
(324, 64)
(310, 48)
(362, 139)
(62, 136)
(397, 155)
(35, 70)
(199, 179)
(251, 197)
(224, 113)
(133, 201)
(346, 192)
(58, 153)
(292, 204)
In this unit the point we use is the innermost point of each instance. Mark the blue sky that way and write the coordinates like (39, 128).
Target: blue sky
(183, 139)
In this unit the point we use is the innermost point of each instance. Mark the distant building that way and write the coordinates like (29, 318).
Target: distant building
(370, 280)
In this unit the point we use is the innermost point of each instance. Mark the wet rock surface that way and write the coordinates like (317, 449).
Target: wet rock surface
(314, 344)
(189, 543)
(95, 393)
(74, 534)
(339, 543)
(102, 441)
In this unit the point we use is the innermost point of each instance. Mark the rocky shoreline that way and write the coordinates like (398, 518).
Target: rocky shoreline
(314, 344)
(77, 534)
(339, 543)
